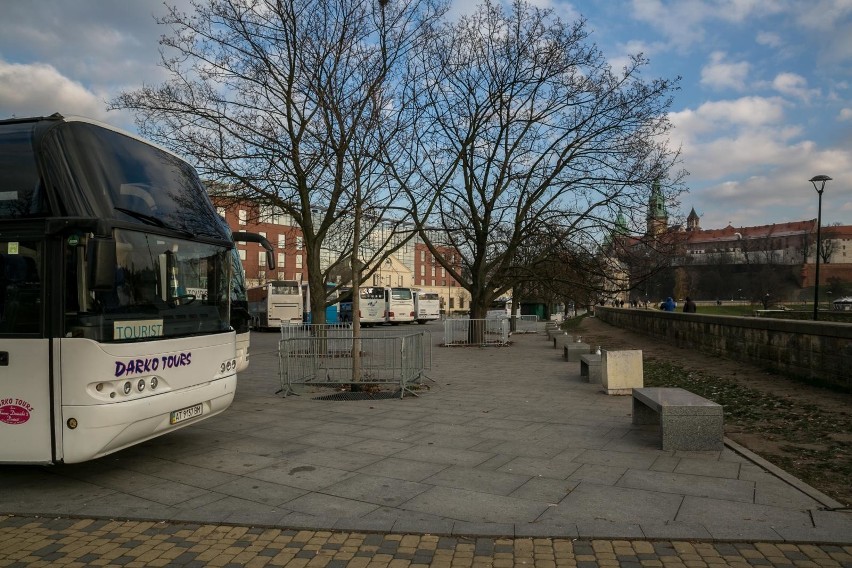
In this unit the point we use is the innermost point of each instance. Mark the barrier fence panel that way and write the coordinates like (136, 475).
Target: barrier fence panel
(526, 324)
(327, 361)
(489, 331)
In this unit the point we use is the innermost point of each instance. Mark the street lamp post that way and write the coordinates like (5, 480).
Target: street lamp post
(820, 179)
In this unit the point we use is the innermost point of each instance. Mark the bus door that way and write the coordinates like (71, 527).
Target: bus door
(25, 381)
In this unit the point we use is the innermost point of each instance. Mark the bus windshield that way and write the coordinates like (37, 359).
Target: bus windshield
(284, 288)
(164, 287)
(401, 293)
(429, 296)
(372, 293)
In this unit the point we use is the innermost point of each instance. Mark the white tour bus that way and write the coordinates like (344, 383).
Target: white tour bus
(240, 316)
(427, 306)
(115, 276)
(372, 305)
(274, 303)
(399, 305)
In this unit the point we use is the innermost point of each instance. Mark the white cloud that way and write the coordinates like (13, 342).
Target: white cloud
(39, 89)
(683, 22)
(725, 116)
(845, 114)
(720, 74)
(769, 39)
(794, 85)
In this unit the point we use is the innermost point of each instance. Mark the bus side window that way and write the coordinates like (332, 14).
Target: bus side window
(20, 294)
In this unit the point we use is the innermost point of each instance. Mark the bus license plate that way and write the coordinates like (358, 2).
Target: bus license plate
(186, 413)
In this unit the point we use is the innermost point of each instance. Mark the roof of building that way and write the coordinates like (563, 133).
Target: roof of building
(731, 233)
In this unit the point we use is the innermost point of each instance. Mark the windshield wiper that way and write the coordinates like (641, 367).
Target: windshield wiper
(151, 220)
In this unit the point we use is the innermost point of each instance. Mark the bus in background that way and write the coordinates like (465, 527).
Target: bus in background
(275, 303)
(331, 312)
(240, 315)
(500, 308)
(427, 306)
(399, 305)
(344, 305)
(371, 303)
(115, 276)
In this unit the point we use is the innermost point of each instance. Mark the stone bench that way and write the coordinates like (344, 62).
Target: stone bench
(561, 340)
(687, 421)
(590, 368)
(621, 371)
(573, 351)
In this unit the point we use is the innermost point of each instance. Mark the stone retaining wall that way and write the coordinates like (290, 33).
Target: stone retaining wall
(816, 352)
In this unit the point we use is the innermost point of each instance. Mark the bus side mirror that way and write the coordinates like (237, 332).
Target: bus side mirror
(102, 262)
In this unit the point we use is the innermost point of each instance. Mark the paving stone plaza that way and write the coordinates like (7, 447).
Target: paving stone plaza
(507, 458)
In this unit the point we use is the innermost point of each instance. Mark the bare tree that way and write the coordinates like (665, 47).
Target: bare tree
(288, 104)
(524, 130)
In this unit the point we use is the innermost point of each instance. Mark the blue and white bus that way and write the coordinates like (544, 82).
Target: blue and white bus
(115, 282)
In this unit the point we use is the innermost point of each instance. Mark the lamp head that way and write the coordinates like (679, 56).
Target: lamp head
(821, 179)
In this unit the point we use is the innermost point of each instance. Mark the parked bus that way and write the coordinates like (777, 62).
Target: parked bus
(399, 305)
(240, 315)
(500, 308)
(331, 311)
(371, 303)
(274, 303)
(115, 276)
(427, 306)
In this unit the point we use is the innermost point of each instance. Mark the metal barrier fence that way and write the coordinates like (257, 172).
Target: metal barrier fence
(526, 324)
(327, 361)
(493, 331)
(291, 330)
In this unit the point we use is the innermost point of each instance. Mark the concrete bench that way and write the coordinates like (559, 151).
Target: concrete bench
(590, 368)
(687, 421)
(573, 351)
(561, 340)
(621, 371)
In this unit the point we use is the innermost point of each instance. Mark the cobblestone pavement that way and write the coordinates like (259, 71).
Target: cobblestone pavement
(28, 541)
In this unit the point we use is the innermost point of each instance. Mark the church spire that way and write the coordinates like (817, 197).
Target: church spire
(658, 217)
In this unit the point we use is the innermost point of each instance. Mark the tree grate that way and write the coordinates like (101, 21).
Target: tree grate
(346, 396)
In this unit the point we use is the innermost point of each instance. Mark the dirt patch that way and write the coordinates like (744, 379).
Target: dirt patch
(805, 430)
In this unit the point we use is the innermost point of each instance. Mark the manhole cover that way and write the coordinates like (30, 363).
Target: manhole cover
(382, 395)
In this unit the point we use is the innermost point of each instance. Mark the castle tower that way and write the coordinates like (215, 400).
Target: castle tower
(658, 217)
(692, 221)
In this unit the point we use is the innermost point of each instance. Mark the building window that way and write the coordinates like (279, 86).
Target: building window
(242, 216)
(298, 261)
(422, 255)
(221, 212)
(399, 280)
(377, 280)
(298, 277)
(422, 270)
(261, 258)
(452, 303)
(242, 255)
(299, 242)
(433, 271)
(461, 303)
(282, 240)
(281, 258)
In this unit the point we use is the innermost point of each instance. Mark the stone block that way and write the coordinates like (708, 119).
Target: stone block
(687, 421)
(573, 351)
(621, 371)
(590, 368)
(562, 339)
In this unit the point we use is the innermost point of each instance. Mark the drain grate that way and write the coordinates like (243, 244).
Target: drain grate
(344, 396)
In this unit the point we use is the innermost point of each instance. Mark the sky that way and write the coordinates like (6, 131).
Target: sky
(765, 99)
